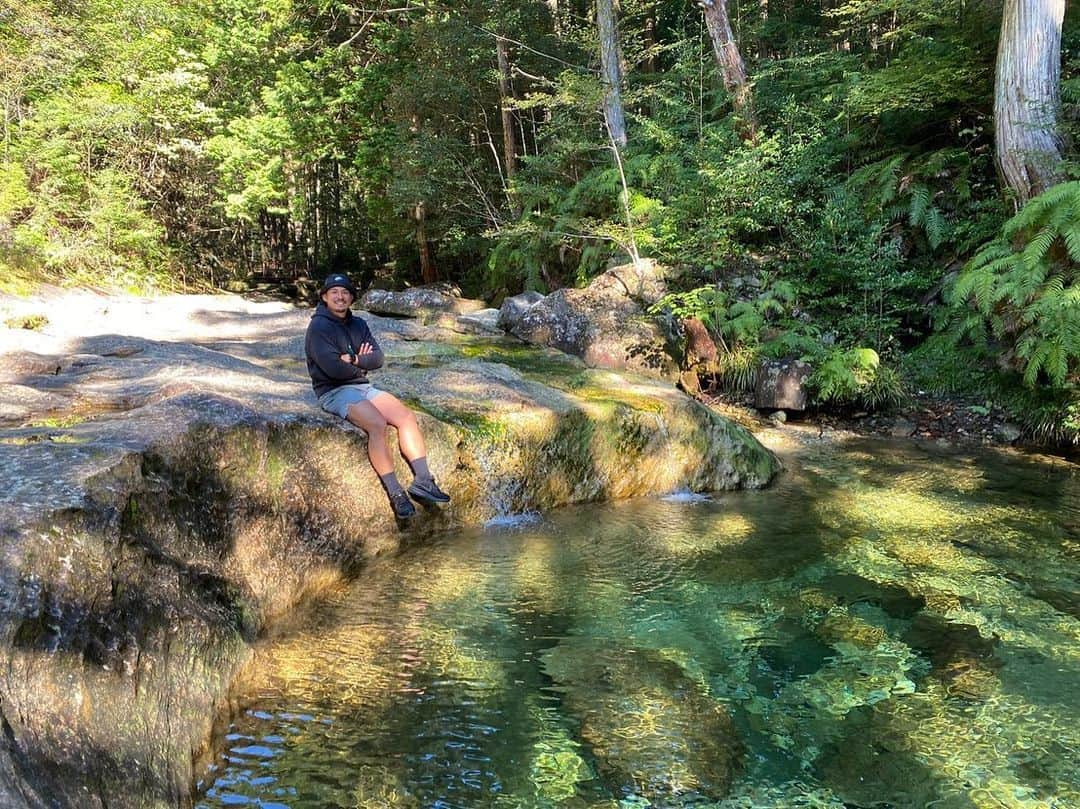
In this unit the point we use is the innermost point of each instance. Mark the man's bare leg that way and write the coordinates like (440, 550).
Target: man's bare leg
(395, 412)
(413, 448)
(365, 416)
(368, 418)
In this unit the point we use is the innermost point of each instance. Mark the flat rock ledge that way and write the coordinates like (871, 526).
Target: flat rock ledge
(170, 491)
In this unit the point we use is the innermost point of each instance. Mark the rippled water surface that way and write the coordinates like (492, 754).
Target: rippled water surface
(888, 626)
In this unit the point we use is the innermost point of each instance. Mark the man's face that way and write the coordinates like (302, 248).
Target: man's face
(337, 300)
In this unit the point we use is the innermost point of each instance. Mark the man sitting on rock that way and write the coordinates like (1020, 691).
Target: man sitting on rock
(340, 351)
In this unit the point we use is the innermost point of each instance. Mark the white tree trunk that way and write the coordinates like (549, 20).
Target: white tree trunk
(611, 71)
(730, 62)
(1027, 96)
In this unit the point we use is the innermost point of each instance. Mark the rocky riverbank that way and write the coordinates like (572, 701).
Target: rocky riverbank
(171, 491)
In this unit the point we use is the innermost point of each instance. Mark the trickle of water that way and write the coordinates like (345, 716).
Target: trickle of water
(887, 626)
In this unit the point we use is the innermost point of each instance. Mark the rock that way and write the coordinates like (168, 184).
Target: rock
(778, 417)
(700, 348)
(604, 324)
(485, 321)
(190, 493)
(642, 282)
(652, 730)
(514, 307)
(699, 357)
(780, 385)
(1006, 432)
(419, 302)
(901, 428)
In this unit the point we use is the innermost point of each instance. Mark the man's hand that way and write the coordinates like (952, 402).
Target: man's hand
(365, 348)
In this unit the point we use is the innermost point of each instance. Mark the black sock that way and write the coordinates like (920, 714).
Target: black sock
(420, 468)
(390, 483)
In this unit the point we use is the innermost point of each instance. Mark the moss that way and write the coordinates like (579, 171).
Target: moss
(475, 421)
(31, 322)
(59, 422)
(34, 438)
(532, 362)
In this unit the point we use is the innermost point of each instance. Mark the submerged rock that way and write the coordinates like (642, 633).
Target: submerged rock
(180, 491)
(652, 731)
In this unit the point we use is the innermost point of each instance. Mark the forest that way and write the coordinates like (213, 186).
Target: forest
(886, 188)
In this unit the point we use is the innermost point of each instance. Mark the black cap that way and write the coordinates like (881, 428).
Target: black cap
(337, 280)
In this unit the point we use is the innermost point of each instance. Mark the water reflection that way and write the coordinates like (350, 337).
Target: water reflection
(888, 626)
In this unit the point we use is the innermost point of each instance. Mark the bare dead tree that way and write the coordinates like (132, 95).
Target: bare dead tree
(611, 71)
(730, 62)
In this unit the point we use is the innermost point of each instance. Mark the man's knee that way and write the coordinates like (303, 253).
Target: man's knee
(367, 419)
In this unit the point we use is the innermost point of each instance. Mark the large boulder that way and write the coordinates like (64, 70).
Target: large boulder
(514, 307)
(606, 323)
(423, 302)
(179, 492)
(780, 385)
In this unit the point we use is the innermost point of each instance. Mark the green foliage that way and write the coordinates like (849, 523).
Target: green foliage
(1021, 290)
(766, 325)
(855, 376)
(155, 143)
(737, 369)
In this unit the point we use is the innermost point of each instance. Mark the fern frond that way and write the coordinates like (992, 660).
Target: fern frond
(920, 201)
(1039, 246)
(1071, 235)
(936, 228)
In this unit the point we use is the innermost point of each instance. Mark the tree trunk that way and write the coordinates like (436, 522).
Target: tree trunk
(506, 97)
(651, 42)
(730, 62)
(1027, 96)
(428, 273)
(611, 71)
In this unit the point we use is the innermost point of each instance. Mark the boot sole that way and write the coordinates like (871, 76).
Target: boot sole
(427, 500)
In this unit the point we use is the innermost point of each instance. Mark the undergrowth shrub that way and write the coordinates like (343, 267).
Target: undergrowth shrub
(768, 326)
(1020, 291)
(855, 376)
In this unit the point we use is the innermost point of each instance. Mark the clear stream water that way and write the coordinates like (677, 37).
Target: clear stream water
(889, 625)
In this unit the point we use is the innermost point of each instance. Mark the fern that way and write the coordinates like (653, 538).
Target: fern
(936, 228)
(1023, 286)
(855, 377)
(1035, 251)
(920, 190)
(1071, 236)
(920, 203)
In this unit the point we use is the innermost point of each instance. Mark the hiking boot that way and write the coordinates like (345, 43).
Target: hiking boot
(428, 491)
(403, 507)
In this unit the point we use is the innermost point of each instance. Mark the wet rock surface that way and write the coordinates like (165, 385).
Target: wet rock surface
(171, 490)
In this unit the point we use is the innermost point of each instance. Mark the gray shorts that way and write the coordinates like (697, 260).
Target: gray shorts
(337, 401)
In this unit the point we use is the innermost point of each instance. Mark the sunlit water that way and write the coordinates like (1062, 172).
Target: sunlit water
(887, 626)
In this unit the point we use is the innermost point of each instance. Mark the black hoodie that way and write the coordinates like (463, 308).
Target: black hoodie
(327, 339)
